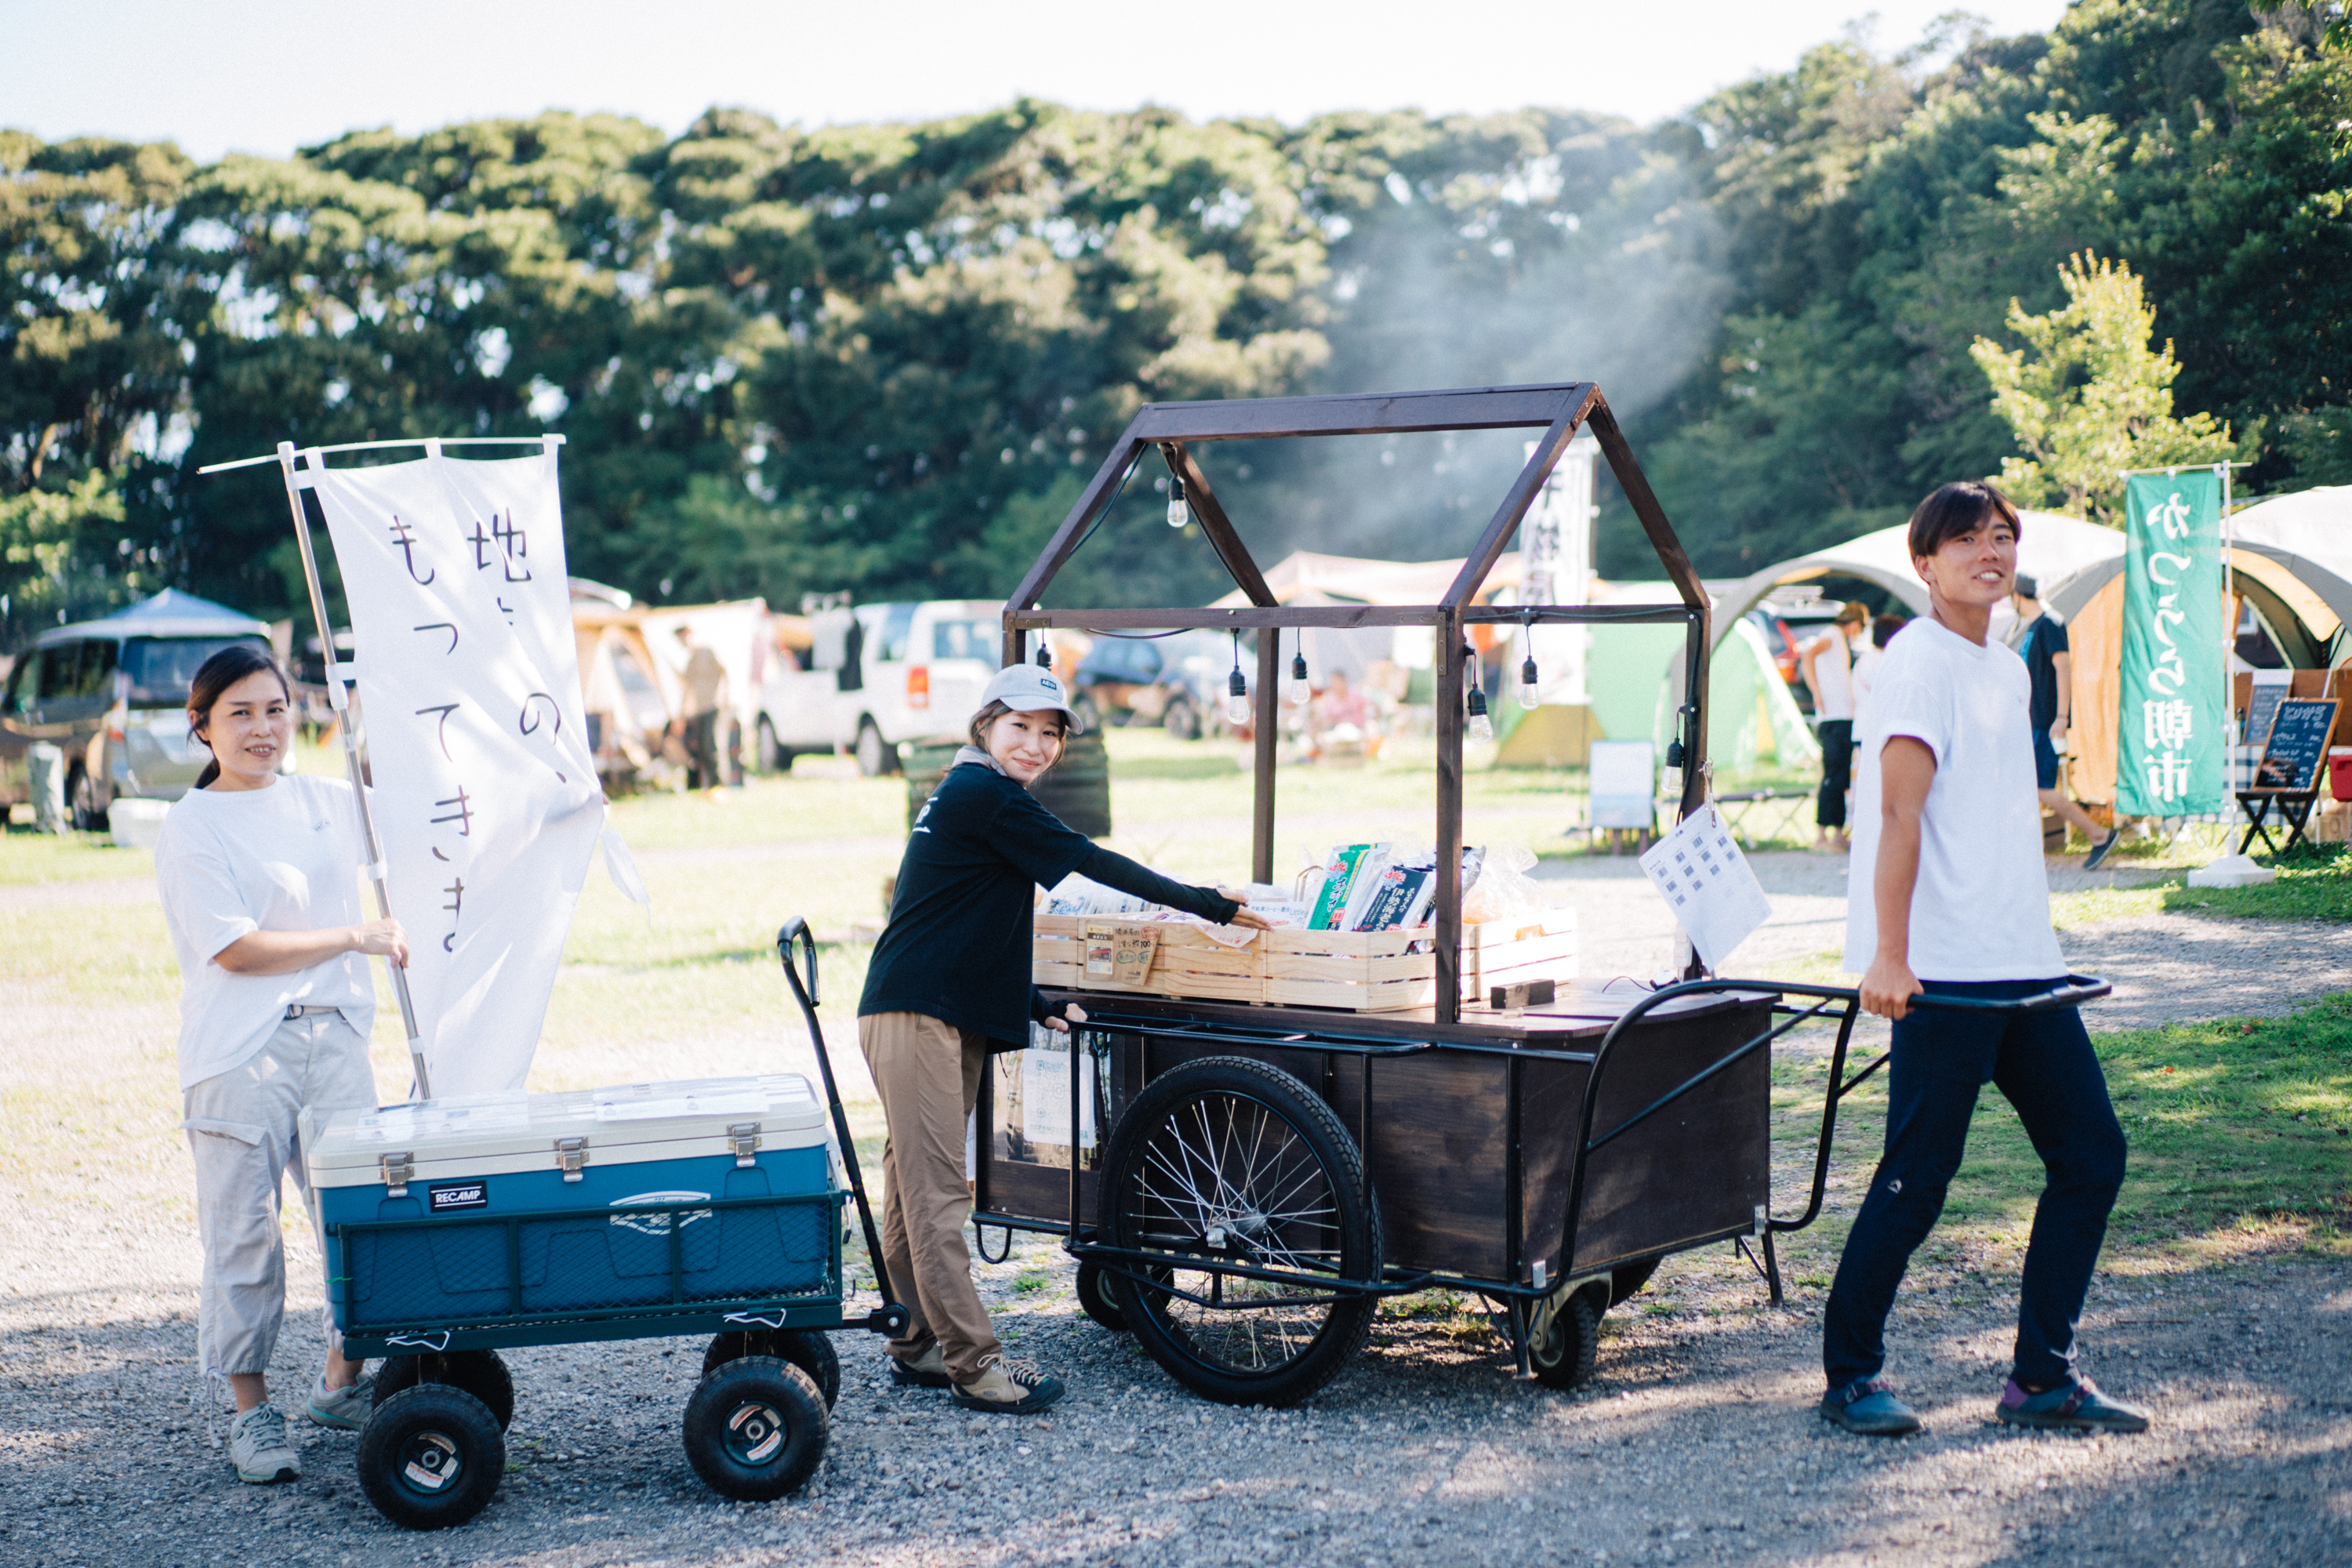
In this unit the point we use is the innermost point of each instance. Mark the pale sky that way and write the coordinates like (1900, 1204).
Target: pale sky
(267, 76)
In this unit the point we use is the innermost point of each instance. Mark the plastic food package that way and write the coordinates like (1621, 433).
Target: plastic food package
(1503, 890)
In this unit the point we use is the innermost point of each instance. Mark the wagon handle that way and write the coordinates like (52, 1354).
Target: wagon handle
(892, 1318)
(2072, 991)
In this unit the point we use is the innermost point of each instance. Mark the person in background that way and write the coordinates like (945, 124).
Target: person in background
(705, 679)
(259, 872)
(948, 986)
(1340, 715)
(1951, 901)
(2042, 643)
(1865, 663)
(1828, 664)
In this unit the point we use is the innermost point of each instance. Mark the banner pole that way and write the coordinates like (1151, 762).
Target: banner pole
(352, 769)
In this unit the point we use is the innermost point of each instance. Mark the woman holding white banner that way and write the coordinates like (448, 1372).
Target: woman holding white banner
(259, 875)
(948, 985)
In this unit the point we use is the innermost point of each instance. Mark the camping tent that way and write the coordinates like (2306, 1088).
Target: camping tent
(2050, 548)
(1634, 672)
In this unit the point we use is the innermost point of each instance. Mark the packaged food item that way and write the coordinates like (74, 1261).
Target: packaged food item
(1502, 888)
(1076, 895)
(1338, 875)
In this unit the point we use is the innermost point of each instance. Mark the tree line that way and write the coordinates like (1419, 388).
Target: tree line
(886, 357)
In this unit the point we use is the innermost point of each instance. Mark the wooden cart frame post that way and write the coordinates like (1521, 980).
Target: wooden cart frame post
(1558, 410)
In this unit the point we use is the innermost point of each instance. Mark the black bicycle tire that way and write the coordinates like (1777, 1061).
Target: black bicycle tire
(1349, 1323)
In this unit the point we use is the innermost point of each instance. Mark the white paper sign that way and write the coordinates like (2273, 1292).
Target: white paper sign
(1046, 1100)
(486, 797)
(1708, 884)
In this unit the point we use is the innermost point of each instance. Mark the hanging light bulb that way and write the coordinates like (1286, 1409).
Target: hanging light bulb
(1237, 703)
(1302, 691)
(1045, 654)
(1177, 514)
(1481, 727)
(1528, 681)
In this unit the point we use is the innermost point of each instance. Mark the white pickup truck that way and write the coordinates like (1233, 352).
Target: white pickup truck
(879, 675)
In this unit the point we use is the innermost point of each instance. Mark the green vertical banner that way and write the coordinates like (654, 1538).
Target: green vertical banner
(2172, 760)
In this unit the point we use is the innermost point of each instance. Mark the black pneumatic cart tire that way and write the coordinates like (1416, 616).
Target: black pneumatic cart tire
(1563, 1336)
(430, 1457)
(755, 1429)
(480, 1372)
(806, 1349)
(1096, 1300)
(1227, 1160)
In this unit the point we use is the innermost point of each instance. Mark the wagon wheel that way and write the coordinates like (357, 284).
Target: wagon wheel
(806, 1349)
(1226, 1160)
(480, 1372)
(1563, 1333)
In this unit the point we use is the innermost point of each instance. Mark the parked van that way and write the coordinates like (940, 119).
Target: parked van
(114, 696)
(877, 676)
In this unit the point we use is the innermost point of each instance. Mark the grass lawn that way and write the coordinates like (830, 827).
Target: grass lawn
(2232, 1126)
(2237, 1129)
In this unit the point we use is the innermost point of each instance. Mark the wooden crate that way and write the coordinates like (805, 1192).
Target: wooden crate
(1357, 971)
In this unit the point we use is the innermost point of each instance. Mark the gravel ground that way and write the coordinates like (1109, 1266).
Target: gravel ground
(1695, 1443)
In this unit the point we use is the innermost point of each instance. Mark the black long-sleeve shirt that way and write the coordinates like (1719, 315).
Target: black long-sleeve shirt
(957, 946)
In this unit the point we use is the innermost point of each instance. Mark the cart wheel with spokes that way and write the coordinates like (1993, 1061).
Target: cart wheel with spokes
(1563, 1334)
(1228, 1161)
(806, 1349)
(480, 1372)
(430, 1457)
(755, 1428)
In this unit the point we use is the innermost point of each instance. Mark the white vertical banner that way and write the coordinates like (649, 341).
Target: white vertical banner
(486, 797)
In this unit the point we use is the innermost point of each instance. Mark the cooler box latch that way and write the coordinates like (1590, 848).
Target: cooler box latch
(742, 1137)
(397, 1169)
(570, 1153)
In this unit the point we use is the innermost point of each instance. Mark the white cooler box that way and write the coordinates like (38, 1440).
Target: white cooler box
(687, 1199)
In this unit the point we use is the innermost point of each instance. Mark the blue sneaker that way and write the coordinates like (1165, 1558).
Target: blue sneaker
(343, 1409)
(1869, 1408)
(2075, 1406)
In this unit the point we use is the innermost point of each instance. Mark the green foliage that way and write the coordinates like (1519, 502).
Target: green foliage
(2087, 398)
(888, 357)
(2315, 883)
(2319, 443)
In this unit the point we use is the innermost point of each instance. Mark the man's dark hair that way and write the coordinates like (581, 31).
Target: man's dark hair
(1883, 629)
(1958, 509)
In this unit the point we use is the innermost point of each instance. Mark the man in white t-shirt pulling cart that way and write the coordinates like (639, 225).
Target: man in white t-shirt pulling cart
(1948, 897)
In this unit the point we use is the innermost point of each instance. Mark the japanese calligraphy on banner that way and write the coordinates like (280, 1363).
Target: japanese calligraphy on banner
(2174, 737)
(486, 797)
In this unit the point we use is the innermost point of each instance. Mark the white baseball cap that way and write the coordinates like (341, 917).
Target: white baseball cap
(1027, 689)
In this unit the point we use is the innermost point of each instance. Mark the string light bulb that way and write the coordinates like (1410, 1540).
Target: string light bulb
(1237, 702)
(1045, 654)
(1481, 727)
(1302, 691)
(1178, 515)
(1528, 681)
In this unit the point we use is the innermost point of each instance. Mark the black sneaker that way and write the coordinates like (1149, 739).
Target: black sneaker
(2075, 1406)
(1870, 1409)
(2099, 850)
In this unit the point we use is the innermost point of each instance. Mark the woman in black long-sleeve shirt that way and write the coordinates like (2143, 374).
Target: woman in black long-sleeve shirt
(950, 984)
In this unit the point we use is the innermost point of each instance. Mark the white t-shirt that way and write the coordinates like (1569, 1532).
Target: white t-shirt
(1866, 673)
(229, 862)
(1831, 675)
(1981, 908)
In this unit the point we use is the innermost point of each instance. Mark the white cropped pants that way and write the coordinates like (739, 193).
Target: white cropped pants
(242, 1127)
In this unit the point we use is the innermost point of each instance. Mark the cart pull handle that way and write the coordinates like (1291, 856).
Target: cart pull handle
(892, 1319)
(797, 929)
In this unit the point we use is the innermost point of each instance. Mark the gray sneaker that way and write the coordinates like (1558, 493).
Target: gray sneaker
(344, 1409)
(259, 1449)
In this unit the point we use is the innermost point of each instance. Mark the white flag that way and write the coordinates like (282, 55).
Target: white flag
(486, 797)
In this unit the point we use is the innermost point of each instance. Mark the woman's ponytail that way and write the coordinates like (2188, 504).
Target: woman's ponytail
(212, 678)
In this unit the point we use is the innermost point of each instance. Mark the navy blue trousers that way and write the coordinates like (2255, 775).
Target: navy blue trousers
(2044, 1064)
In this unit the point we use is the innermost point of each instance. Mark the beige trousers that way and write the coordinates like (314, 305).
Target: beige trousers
(242, 1128)
(928, 1074)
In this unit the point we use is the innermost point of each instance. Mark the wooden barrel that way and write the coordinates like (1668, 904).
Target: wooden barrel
(1077, 789)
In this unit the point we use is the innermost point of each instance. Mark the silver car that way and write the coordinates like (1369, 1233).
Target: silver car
(112, 695)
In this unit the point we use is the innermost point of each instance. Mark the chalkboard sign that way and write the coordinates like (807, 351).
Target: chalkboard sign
(2298, 747)
(2262, 707)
